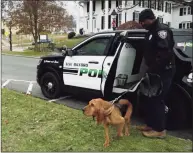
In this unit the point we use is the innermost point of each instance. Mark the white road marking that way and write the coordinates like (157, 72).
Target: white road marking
(24, 81)
(29, 90)
(61, 98)
(19, 80)
(6, 82)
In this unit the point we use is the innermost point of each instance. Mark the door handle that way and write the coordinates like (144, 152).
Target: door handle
(108, 64)
(93, 62)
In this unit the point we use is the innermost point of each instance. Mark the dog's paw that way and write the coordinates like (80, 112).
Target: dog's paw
(119, 134)
(127, 134)
(106, 144)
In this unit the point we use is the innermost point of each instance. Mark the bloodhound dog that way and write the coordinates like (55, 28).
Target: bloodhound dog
(106, 113)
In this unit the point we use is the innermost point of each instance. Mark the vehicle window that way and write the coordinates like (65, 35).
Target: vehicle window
(184, 43)
(95, 47)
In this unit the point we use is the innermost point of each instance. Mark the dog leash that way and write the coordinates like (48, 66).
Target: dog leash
(131, 89)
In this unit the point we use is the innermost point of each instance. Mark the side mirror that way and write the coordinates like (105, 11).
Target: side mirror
(70, 52)
(64, 50)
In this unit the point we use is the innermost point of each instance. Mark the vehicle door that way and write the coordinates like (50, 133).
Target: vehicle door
(84, 68)
(107, 86)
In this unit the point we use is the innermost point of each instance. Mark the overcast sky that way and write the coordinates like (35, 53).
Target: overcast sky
(73, 10)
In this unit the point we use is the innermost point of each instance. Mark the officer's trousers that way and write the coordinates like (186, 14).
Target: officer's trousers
(155, 107)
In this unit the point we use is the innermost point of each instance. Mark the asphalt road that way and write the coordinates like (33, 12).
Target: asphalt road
(19, 72)
(19, 68)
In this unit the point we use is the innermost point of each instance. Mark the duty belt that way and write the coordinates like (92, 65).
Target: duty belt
(169, 66)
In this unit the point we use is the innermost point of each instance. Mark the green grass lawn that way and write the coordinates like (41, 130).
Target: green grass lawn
(31, 124)
(68, 42)
(27, 53)
(60, 40)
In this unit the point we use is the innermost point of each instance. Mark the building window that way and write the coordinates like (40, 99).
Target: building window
(142, 3)
(94, 5)
(87, 6)
(149, 4)
(184, 11)
(166, 7)
(170, 8)
(136, 16)
(139, 2)
(109, 3)
(146, 3)
(180, 26)
(125, 16)
(109, 22)
(126, 2)
(181, 11)
(118, 2)
(87, 23)
(188, 25)
(153, 4)
(160, 19)
(160, 5)
(183, 26)
(189, 10)
(102, 4)
(102, 22)
(134, 2)
(119, 19)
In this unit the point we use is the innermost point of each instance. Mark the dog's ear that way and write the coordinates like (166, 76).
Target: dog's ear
(100, 115)
(99, 110)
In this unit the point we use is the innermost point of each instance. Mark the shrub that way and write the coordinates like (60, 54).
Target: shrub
(71, 35)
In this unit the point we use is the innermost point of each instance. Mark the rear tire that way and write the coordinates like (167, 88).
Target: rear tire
(50, 85)
(179, 115)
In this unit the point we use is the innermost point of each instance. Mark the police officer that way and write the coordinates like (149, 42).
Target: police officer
(159, 58)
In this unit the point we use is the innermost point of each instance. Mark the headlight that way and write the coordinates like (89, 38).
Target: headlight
(40, 61)
(190, 76)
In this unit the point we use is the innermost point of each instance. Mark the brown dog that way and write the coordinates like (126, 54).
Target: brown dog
(109, 114)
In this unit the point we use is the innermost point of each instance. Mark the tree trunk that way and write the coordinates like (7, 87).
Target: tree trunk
(10, 37)
(36, 28)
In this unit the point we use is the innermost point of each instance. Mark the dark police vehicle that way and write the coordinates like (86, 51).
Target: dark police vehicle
(108, 63)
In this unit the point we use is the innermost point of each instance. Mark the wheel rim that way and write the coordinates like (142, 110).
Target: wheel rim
(49, 86)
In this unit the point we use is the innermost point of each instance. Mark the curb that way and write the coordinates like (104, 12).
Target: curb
(37, 57)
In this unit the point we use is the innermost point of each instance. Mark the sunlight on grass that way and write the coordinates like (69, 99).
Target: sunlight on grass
(31, 124)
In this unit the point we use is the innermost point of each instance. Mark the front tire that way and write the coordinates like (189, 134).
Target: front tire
(50, 85)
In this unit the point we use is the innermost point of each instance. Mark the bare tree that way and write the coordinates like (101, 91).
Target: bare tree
(36, 16)
(8, 10)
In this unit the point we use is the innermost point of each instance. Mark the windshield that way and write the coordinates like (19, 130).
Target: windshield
(184, 42)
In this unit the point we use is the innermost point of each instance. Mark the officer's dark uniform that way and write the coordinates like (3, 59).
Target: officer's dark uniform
(159, 57)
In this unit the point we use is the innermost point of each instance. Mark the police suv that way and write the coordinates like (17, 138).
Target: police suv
(108, 63)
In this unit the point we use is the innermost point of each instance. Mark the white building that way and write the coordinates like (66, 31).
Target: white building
(182, 17)
(97, 13)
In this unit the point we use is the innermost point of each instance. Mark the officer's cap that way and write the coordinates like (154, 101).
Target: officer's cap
(146, 14)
